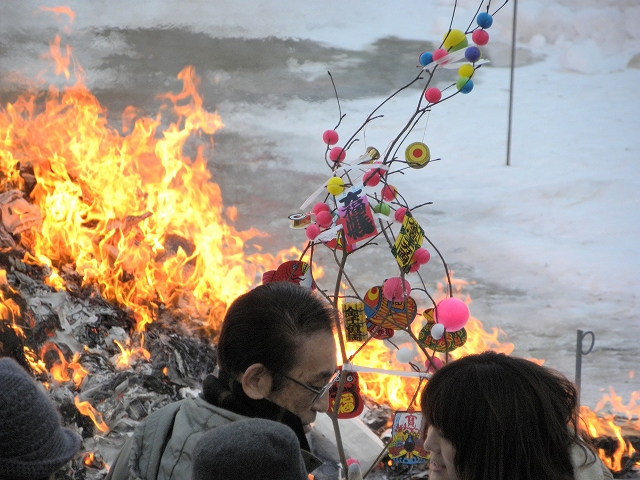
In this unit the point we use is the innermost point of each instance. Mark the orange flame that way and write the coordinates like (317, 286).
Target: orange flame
(86, 409)
(631, 410)
(62, 10)
(128, 356)
(133, 213)
(605, 426)
(399, 392)
(64, 371)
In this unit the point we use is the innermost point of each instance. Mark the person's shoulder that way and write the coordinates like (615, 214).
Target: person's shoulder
(203, 412)
(587, 465)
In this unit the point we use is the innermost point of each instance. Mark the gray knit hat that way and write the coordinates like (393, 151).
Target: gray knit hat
(33, 443)
(253, 448)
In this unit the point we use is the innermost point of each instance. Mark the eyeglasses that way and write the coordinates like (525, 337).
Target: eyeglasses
(318, 393)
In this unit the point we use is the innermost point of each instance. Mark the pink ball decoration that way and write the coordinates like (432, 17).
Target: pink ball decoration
(414, 267)
(392, 289)
(320, 207)
(480, 37)
(400, 213)
(433, 94)
(330, 137)
(324, 219)
(421, 256)
(439, 53)
(337, 154)
(389, 192)
(371, 178)
(434, 365)
(313, 231)
(452, 313)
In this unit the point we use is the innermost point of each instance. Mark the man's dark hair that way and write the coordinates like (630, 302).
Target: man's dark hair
(266, 324)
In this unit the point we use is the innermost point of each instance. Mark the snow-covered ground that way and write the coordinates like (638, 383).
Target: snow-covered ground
(549, 244)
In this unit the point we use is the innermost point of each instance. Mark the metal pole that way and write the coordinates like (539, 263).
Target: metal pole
(579, 353)
(513, 66)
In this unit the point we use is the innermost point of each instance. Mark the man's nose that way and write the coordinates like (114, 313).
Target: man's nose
(321, 404)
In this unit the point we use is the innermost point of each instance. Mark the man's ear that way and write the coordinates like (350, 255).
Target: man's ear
(256, 381)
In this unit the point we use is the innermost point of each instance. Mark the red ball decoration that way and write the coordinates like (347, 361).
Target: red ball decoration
(480, 37)
(371, 178)
(400, 213)
(414, 267)
(313, 231)
(330, 137)
(452, 313)
(320, 207)
(433, 365)
(421, 256)
(337, 154)
(324, 219)
(393, 291)
(439, 53)
(433, 95)
(389, 193)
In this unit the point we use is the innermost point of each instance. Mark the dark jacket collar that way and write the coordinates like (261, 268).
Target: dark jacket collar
(227, 393)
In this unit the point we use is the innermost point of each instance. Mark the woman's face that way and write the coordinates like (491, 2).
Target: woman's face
(441, 466)
(316, 366)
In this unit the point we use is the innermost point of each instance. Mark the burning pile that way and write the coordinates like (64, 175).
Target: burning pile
(117, 256)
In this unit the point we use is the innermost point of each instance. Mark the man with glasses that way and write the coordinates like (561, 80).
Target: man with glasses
(276, 360)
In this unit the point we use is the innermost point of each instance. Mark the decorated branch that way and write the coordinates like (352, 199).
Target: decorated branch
(359, 207)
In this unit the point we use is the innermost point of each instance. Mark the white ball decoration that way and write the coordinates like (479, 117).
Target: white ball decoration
(404, 355)
(437, 331)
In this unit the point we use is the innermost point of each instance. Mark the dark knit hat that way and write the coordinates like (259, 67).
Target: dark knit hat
(33, 443)
(254, 448)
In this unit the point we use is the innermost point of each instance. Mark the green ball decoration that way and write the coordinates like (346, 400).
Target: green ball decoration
(464, 84)
(382, 208)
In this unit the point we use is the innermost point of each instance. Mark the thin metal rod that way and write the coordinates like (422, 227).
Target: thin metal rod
(513, 66)
(579, 354)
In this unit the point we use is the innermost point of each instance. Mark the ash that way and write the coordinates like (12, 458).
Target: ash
(80, 320)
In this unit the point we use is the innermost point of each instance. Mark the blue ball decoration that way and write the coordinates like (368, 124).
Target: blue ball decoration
(464, 84)
(484, 20)
(426, 58)
(472, 54)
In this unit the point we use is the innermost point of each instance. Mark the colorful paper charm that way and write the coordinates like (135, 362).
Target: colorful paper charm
(355, 215)
(408, 241)
(388, 314)
(351, 404)
(378, 332)
(292, 271)
(406, 446)
(355, 321)
(447, 343)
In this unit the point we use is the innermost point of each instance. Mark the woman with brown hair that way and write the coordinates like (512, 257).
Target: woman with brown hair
(494, 417)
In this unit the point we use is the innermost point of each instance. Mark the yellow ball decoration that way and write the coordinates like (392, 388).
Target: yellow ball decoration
(466, 70)
(453, 38)
(335, 185)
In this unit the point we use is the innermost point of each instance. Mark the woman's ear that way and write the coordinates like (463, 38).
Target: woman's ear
(256, 381)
